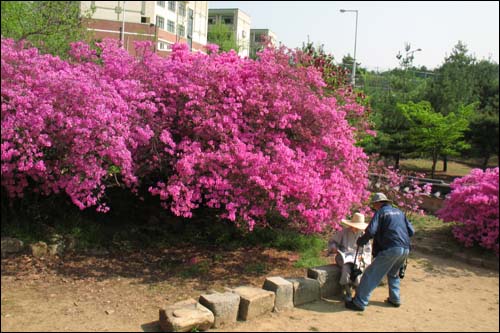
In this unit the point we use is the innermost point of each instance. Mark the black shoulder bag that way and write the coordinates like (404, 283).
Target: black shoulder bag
(356, 271)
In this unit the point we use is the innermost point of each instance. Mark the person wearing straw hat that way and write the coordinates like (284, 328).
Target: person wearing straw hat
(391, 231)
(343, 246)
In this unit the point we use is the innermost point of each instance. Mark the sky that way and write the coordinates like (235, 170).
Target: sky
(383, 27)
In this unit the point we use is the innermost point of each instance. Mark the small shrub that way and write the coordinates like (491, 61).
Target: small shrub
(473, 204)
(196, 270)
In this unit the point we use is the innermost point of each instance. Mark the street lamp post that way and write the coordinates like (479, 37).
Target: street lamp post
(353, 78)
(409, 57)
(406, 62)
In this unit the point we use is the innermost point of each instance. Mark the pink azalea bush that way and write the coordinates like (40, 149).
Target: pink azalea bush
(338, 84)
(473, 203)
(401, 187)
(247, 137)
(67, 127)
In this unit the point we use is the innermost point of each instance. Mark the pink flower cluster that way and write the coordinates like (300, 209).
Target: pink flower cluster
(473, 203)
(247, 137)
(401, 187)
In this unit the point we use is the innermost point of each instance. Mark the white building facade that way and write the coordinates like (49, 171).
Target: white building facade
(164, 22)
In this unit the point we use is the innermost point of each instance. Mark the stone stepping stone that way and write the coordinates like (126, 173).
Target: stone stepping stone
(186, 316)
(283, 290)
(224, 306)
(328, 277)
(11, 245)
(254, 302)
(39, 249)
(305, 290)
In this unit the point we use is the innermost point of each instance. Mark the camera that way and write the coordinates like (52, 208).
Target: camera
(402, 270)
(356, 271)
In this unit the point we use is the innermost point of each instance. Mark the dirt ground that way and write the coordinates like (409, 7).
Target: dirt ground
(123, 293)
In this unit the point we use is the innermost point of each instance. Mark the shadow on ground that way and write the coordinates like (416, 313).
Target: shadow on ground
(153, 326)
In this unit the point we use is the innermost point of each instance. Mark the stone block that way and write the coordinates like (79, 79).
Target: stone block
(328, 277)
(39, 249)
(55, 249)
(283, 291)
(224, 306)
(254, 302)
(186, 316)
(69, 243)
(305, 290)
(11, 245)
(55, 239)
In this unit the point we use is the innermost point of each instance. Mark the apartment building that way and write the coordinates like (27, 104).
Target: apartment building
(238, 21)
(258, 38)
(163, 22)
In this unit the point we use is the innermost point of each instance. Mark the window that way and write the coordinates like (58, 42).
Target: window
(243, 34)
(160, 22)
(182, 9)
(161, 3)
(227, 20)
(211, 20)
(163, 46)
(181, 30)
(171, 26)
(171, 5)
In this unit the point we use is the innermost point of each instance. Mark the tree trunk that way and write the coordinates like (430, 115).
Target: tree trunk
(434, 162)
(396, 157)
(485, 162)
(445, 163)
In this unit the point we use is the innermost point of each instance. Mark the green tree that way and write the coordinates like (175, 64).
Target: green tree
(222, 35)
(454, 84)
(385, 90)
(483, 134)
(48, 25)
(435, 134)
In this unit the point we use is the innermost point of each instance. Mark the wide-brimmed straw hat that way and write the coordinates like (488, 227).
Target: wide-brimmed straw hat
(379, 197)
(358, 221)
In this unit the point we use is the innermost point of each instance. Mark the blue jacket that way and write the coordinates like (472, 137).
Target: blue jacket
(389, 228)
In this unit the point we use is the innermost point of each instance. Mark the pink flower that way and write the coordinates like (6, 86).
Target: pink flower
(242, 136)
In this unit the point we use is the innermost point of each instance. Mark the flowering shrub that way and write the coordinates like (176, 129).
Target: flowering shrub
(66, 127)
(473, 203)
(338, 84)
(247, 137)
(401, 187)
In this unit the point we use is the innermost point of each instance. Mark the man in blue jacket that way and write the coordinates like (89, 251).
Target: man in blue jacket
(391, 232)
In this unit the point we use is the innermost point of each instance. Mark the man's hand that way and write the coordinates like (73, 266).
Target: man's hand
(363, 240)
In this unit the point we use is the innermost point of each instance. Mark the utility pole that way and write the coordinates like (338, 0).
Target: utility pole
(123, 26)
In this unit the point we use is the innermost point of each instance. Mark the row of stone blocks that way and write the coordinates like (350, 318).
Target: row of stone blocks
(245, 303)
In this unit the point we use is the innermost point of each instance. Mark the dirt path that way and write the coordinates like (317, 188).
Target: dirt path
(438, 294)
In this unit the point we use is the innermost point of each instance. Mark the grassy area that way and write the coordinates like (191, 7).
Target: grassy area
(456, 167)
(433, 232)
(132, 225)
(423, 165)
(310, 256)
